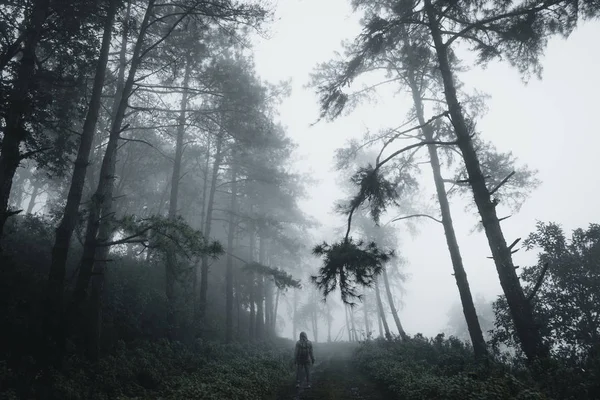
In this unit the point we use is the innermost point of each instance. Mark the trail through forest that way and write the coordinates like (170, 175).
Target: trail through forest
(334, 377)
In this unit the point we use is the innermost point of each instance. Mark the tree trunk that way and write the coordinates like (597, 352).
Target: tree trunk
(379, 321)
(229, 271)
(366, 317)
(207, 227)
(392, 306)
(251, 281)
(99, 227)
(329, 321)
(205, 182)
(268, 306)
(479, 345)
(260, 315)
(295, 320)
(348, 328)
(260, 288)
(171, 261)
(352, 323)
(314, 321)
(238, 303)
(202, 217)
(521, 311)
(18, 189)
(19, 102)
(238, 289)
(381, 311)
(268, 283)
(275, 310)
(67, 225)
(37, 185)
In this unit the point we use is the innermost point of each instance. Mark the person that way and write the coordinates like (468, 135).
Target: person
(304, 357)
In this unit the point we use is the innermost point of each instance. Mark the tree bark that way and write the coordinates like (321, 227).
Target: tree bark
(348, 328)
(329, 320)
(251, 281)
(171, 259)
(201, 314)
(14, 132)
(316, 316)
(260, 298)
(269, 304)
(18, 188)
(388, 291)
(295, 316)
(202, 217)
(460, 275)
(275, 310)
(381, 311)
(205, 181)
(67, 225)
(99, 227)
(352, 323)
(37, 185)
(521, 311)
(229, 267)
(380, 324)
(366, 317)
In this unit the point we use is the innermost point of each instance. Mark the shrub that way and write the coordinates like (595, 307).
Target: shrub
(438, 368)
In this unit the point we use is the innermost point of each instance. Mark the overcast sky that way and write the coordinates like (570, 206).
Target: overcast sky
(549, 125)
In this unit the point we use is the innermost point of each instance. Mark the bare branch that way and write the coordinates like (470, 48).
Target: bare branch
(513, 244)
(494, 190)
(485, 21)
(414, 128)
(33, 152)
(539, 282)
(415, 216)
(412, 146)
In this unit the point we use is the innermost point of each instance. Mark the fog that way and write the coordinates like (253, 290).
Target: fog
(187, 186)
(548, 124)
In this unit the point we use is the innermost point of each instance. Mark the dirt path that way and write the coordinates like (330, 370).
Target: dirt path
(336, 378)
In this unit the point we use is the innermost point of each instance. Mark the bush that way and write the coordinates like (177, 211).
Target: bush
(152, 370)
(137, 362)
(438, 368)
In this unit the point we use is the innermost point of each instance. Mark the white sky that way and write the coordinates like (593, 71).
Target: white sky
(549, 125)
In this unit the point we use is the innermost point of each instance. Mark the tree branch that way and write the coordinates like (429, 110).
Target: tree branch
(414, 128)
(33, 152)
(415, 216)
(482, 22)
(539, 282)
(494, 190)
(412, 146)
(127, 239)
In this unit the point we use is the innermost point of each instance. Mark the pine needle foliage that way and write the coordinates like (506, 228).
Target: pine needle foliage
(164, 234)
(282, 279)
(350, 266)
(374, 189)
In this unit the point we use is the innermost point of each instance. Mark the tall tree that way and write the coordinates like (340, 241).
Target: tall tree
(70, 217)
(381, 311)
(393, 309)
(42, 90)
(229, 273)
(517, 32)
(14, 132)
(563, 287)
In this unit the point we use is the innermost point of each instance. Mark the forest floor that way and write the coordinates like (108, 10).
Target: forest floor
(334, 378)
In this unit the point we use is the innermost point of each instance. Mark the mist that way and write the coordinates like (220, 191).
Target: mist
(223, 176)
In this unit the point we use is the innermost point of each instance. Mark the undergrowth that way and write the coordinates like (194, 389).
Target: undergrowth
(439, 368)
(165, 370)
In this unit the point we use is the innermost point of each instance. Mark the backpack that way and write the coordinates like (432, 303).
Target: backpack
(303, 350)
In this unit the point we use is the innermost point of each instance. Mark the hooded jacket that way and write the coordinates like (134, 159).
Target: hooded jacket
(304, 350)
